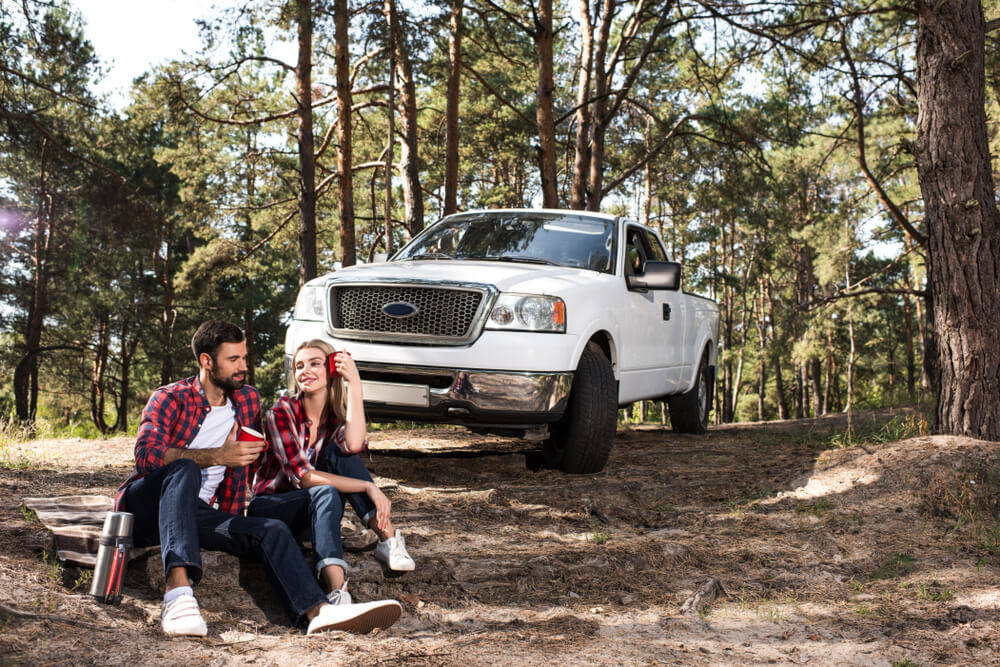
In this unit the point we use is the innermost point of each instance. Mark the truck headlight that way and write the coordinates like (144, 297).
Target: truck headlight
(311, 304)
(528, 312)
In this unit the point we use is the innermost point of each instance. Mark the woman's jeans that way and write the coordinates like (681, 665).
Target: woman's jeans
(315, 513)
(334, 461)
(169, 513)
(312, 514)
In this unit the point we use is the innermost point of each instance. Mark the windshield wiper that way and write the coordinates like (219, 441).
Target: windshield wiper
(527, 260)
(432, 255)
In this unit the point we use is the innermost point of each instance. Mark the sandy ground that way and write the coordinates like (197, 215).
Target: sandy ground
(876, 554)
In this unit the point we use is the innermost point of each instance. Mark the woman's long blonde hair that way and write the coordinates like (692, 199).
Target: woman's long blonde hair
(336, 397)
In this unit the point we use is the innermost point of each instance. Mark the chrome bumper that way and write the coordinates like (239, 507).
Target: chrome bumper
(475, 397)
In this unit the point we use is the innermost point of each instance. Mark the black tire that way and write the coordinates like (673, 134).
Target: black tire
(689, 411)
(581, 441)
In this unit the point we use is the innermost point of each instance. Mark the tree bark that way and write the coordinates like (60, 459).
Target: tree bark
(581, 158)
(963, 224)
(348, 249)
(307, 149)
(544, 115)
(26, 371)
(98, 370)
(451, 112)
(409, 162)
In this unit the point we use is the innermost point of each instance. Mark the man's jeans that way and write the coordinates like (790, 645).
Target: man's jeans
(334, 461)
(312, 514)
(168, 512)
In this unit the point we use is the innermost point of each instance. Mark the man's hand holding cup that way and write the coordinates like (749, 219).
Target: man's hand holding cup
(242, 447)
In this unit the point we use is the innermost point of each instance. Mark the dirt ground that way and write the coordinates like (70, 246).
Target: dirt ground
(875, 554)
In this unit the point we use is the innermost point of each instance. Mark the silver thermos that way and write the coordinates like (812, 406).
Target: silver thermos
(112, 555)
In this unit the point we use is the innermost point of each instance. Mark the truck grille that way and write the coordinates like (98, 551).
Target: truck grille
(441, 314)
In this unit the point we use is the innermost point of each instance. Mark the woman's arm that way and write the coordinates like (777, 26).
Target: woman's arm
(356, 430)
(383, 508)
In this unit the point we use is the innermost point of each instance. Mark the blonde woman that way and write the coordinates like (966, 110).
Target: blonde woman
(314, 438)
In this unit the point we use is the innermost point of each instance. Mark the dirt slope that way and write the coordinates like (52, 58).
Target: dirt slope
(870, 555)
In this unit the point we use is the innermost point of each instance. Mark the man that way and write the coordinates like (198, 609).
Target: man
(189, 489)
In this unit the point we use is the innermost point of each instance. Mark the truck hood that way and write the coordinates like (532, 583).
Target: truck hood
(505, 276)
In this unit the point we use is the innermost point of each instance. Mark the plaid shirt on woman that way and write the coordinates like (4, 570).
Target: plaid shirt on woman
(172, 418)
(289, 454)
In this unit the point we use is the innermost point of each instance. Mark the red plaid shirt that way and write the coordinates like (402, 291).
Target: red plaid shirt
(289, 454)
(172, 418)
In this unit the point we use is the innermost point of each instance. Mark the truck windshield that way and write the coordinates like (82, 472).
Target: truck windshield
(536, 238)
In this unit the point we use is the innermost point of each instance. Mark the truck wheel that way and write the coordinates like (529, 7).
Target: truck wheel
(581, 440)
(689, 411)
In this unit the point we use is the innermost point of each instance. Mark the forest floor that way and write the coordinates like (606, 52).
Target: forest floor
(885, 552)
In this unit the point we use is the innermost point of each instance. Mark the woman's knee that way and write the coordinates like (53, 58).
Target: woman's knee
(325, 496)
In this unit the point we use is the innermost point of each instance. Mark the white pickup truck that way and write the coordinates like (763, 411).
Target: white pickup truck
(532, 323)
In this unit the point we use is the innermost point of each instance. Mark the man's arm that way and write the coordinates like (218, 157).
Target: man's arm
(233, 453)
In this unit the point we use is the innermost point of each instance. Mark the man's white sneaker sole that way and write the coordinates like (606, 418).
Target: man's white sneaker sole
(360, 617)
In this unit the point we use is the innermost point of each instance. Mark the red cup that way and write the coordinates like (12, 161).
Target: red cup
(248, 434)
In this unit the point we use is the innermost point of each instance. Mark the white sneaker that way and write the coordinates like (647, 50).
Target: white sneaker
(360, 617)
(392, 553)
(181, 616)
(339, 596)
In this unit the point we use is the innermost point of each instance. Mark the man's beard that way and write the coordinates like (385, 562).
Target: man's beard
(228, 384)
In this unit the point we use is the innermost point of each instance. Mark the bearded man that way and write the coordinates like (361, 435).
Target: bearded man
(189, 492)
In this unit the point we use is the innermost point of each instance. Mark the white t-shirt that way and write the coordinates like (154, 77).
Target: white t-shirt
(217, 425)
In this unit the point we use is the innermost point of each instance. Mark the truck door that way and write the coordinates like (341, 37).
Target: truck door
(654, 335)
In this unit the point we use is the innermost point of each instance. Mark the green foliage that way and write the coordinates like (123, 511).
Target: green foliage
(899, 427)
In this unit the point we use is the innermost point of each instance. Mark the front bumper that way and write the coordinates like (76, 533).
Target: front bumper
(482, 398)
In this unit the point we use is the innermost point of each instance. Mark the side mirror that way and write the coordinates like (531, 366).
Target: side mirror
(656, 275)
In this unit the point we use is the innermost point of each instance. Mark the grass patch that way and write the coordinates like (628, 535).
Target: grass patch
(971, 498)
(934, 592)
(816, 509)
(899, 565)
(899, 427)
(601, 537)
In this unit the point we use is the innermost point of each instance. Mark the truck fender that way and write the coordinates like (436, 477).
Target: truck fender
(605, 337)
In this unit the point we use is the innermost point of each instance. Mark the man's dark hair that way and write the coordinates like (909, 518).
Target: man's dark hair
(211, 335)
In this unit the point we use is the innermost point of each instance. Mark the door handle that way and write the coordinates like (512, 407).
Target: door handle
(666, 311)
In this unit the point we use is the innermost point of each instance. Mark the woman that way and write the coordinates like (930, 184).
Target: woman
(313, 442)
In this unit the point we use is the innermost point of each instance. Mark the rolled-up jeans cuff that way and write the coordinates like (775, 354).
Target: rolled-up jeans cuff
(368, 517)
(332, 561)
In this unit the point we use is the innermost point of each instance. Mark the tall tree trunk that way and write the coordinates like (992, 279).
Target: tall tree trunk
(128, 346)
(451, 108)
(409, 162)
(307, 150)
(581, 158)
(775, 352)
(390, 141)
(595, 171)
(963, 224)
(544, 114)
(163, 267)
(98, 370)
(911, 364)
(345, 168)
(815, 370)
(26, 371)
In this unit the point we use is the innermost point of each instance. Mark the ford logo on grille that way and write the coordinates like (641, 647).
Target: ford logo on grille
(399, 309)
